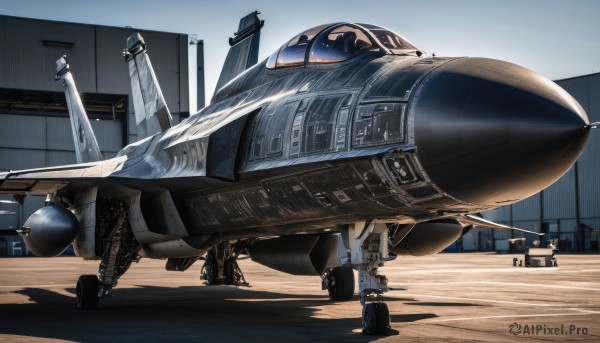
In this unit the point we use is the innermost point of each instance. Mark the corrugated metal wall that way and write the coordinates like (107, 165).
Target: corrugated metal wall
(559, 199)
(28, 141)
(500, 215)
(27, 61)
(589, 162)
(527, 209)
(573, 202)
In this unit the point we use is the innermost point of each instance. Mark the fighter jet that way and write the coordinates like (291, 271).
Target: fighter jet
(345, 148)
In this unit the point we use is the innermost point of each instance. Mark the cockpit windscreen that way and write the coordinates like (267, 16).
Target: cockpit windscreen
(333, 43)
(388, 38)
(339, 44)
(292, 54)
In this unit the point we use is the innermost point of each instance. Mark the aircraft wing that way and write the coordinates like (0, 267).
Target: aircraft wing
(42, 181)
(116, 171)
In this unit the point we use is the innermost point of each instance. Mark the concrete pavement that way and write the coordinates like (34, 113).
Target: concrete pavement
(449, 297)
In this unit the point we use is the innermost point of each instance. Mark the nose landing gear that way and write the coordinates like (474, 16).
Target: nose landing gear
(375, 314)
(367, 251)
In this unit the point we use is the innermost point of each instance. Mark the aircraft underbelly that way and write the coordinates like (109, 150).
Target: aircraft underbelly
(332, 195)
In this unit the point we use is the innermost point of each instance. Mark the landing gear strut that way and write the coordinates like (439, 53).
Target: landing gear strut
(120, 250)
(221, 268)
(368, 250)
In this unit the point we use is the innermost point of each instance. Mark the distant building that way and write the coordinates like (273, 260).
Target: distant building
(34, 124)
(569, 210)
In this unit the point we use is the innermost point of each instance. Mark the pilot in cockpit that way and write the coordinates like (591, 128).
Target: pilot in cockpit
(341, 43)
(346, 42)
(302, 40)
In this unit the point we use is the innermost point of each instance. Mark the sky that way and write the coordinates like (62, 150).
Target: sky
(558, 39)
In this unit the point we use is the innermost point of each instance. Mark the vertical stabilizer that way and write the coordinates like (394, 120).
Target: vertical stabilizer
(86, 146)
(243, 53)
(151, 113)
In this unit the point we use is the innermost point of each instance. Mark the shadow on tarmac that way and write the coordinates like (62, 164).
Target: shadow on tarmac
(190, 313)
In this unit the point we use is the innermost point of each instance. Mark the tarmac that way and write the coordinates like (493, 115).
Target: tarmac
(448, 297)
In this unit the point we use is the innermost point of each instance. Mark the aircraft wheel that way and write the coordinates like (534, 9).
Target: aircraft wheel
(340, 284)
(383, 318)
(376, 319)
(369, 319)
(87, 292)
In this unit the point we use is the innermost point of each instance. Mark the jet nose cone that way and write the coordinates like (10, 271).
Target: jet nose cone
(490, 132)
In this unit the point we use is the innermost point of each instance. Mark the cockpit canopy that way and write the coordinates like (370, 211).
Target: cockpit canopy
(333, 43)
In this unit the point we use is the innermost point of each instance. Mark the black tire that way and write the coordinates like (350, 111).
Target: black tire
(87, 292)
(340, 284)
(369, 319)
(383, 318)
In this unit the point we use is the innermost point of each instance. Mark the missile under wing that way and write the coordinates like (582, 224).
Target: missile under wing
(346, 147)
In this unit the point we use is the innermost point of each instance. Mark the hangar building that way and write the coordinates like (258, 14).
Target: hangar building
(34, 124)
